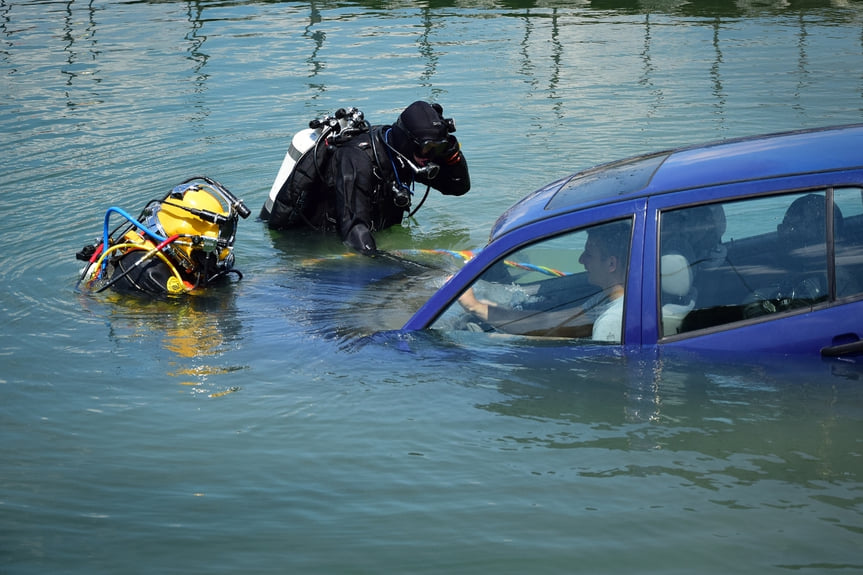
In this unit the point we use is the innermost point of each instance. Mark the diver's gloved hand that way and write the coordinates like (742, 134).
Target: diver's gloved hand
(360, 239)
(453, 153)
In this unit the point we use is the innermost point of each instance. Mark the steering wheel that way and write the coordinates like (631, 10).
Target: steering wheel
(783, 296)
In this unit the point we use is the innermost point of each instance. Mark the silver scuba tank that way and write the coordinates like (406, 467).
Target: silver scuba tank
(344, 122)
(301, 143)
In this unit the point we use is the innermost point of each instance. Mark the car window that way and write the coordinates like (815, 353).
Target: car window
(738, 260)
(848, 228)
(570, 285)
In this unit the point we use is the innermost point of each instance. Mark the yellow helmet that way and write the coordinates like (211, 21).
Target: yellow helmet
(206, 222)
(175, 216)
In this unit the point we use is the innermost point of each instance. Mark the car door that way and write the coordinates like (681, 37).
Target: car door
(778, 272)
(538, 281)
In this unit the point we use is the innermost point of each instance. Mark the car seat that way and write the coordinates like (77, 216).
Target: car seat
(678, 295)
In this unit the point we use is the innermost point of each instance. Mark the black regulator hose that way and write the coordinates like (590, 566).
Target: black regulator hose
(235, 202)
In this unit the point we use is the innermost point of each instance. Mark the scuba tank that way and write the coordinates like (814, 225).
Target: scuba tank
(341, 126)
(301, 143)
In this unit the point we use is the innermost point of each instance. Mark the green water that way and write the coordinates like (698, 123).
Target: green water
(258, 430)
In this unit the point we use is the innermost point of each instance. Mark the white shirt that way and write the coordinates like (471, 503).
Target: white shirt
(608, 317)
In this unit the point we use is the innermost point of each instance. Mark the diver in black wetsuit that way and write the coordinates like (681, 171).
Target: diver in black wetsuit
(360, 180)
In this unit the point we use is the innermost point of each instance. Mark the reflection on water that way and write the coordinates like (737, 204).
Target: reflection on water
(85, 63)
(199, 57)
(547, 32)
(197, 330)
(273, 424)
(352, 296)
(742, 439)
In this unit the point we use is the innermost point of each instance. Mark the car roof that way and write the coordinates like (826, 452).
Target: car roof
(723, 162)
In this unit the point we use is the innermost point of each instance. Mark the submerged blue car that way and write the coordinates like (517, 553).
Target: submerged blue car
(753, 244)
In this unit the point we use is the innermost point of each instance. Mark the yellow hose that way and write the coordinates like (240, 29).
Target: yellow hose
(174, 288)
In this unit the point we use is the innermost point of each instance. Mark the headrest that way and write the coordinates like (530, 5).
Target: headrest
(804, 223)
(675, 275)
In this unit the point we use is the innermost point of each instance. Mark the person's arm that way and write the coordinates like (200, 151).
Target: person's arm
(570, 322)
(353, 183)
(453, 178)
(470, 303)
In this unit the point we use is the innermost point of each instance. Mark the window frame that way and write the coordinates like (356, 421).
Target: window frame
(535, 232)
(800, 185)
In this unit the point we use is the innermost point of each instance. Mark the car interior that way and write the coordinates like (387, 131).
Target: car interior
(719, 264)
(769, 255)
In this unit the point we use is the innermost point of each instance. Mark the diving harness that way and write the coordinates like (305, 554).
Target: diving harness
(337, 129)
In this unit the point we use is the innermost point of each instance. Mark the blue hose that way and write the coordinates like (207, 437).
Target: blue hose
(105, 235)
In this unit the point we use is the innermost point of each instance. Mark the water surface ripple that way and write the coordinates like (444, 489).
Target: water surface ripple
(268, 426)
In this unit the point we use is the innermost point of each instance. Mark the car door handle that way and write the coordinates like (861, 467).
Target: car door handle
(852, 348)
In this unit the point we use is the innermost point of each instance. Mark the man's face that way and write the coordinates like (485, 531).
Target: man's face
(599, 268)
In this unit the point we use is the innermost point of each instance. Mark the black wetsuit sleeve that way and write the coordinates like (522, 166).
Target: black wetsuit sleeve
(353, 182)
(454, 177)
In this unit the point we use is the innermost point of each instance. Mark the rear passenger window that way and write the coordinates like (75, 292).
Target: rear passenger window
(848, 226)
(729, 262)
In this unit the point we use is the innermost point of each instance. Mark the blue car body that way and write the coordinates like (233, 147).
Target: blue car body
(749, 181)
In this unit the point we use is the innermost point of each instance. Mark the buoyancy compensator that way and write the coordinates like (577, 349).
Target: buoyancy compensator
(295, 196)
